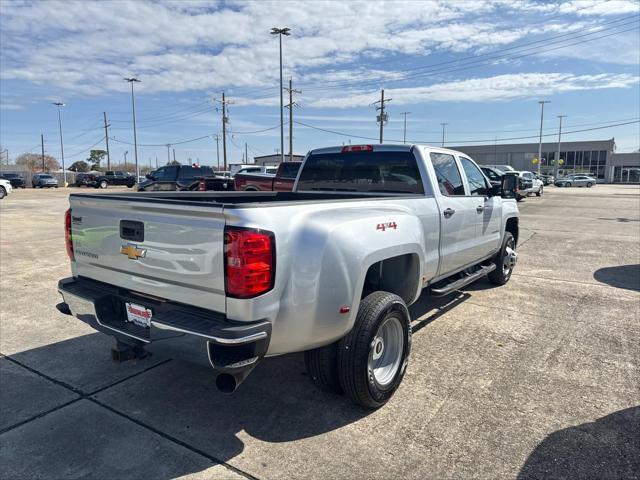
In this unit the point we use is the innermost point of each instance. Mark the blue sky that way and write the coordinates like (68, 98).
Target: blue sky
(480, 66)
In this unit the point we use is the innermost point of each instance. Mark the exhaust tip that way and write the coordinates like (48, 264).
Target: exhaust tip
(226, 383)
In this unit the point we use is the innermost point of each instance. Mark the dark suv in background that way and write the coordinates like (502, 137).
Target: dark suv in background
(14, 179)
(115, 178)
(184, 177)
(86, 180)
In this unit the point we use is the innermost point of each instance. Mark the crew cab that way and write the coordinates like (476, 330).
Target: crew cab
(226, 279)
(14, 179)
(184, 177)
(115, 178)
(281, 181)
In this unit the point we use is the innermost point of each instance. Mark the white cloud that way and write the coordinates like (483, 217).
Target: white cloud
(492, 89)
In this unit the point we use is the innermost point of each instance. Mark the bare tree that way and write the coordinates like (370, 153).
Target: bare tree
(34, 162)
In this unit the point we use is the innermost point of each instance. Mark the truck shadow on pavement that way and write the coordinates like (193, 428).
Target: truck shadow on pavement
(606, 448)
(623, 276)
(178, 401)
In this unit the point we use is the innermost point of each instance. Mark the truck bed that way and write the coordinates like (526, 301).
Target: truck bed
(241, 199)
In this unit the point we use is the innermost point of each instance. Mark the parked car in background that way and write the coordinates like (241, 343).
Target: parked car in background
(577, 180)
(536, 185)
(43, 180)
(14, 179)
(281, 181)
(115, 178)
(504, 168)
(225, 279)
(184, 177)
(545, 179)
(5, 188)
(496, 175)
(86, 180)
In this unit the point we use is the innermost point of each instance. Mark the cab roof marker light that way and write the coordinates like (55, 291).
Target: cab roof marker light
(357, 148)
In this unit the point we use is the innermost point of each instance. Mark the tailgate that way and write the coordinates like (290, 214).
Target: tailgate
(178, 255)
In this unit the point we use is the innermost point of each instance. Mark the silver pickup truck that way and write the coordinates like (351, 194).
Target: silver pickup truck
(226, 279)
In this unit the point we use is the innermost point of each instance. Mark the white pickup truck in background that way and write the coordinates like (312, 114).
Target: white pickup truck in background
(226, 279)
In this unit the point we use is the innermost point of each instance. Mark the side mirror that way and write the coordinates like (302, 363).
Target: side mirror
(495, 190)
(509, 187)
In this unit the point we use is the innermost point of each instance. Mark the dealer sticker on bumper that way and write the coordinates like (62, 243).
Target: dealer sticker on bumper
(138, 315)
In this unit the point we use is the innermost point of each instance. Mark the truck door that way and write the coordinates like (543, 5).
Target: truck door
(488, 210)
(458, 215)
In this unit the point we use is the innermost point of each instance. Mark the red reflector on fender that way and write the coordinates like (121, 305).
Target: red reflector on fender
(357, 148)
(249, 257)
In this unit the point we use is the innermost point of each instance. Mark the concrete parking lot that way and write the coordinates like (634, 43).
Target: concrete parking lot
(536, 379)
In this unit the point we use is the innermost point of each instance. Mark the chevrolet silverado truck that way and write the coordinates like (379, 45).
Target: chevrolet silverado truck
(227, 279)
(282, 181)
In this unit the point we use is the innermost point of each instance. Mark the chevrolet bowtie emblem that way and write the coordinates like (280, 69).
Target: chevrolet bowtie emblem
(132, 252)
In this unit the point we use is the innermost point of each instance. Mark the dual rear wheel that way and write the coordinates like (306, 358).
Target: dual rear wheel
(368, 364)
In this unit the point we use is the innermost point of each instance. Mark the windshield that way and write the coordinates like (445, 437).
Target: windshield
(390, 172)
(46, 176)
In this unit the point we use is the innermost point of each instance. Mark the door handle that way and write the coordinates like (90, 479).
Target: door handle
(479, 209)
(448, 212)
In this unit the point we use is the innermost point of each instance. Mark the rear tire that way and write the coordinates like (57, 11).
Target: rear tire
(3, 192)
(504, 267)
(373, 356)
(589, 185)
(322, 367)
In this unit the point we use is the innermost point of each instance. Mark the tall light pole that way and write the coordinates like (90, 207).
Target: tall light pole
(541, 102)
(280, 32)
(404, 135)
(64, 171)
(555, 170)
(125, 160)
(443, 125)
(133, 80)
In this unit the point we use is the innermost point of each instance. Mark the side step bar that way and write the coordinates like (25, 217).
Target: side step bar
(464, 281)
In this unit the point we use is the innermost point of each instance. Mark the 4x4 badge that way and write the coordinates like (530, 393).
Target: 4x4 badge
(132, 251)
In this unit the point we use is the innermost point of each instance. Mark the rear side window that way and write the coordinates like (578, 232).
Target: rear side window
(385, 172)
(289, 170)
(475, 179)
(187, 173)
(448, 175)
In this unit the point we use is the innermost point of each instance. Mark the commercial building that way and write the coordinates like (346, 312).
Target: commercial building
(596, 157)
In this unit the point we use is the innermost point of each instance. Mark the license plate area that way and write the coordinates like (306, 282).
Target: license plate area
(138, 315)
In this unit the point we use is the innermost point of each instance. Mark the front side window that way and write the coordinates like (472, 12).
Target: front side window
(447, 174)
(475, 179)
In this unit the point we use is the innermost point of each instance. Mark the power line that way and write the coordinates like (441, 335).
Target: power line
(255, 131)
(86, 149)
(467, 141)
(161, 144)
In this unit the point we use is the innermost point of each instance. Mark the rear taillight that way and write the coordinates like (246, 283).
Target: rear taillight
(357, 148)
(249, 257)
(68, 240)
(202, 186)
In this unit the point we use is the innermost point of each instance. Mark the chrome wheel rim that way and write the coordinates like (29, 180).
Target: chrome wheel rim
(385, 351)
(510, 257)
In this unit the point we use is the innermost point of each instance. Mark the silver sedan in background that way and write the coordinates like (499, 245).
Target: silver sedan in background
(576, 181)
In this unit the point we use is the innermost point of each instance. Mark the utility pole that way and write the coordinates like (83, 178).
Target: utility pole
(382, 118)
(541, 102)
(290, 106)
(106, 137)
(168, 153)
(125, 160)
(217, 137)
(174, 155)
(404, 136)
(156, 161)
(225, 119)
(557, 162)
(280, 31)
(443, 125)
(64, 170)
(133, 80)
(42, 144)
(246, 152)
